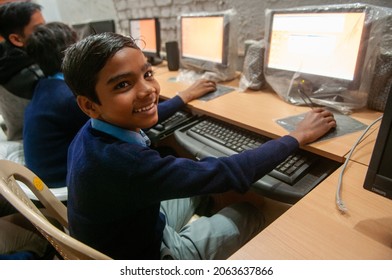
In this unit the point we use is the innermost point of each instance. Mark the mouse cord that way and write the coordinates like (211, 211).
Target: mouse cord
(339, 202)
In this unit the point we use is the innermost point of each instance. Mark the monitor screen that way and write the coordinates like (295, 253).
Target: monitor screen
(206, 43)
(323, 45)
(94, 27)
(146, 32)
(379, 176)
(203, 38)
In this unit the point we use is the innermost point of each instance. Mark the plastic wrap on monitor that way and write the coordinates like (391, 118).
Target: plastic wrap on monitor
(224, 70)
(343, 94)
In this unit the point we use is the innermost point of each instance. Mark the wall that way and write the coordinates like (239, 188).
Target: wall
(250, 12)
(78, 11)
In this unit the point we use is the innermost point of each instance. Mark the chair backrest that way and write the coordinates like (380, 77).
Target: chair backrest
(67, 246)
(12, 109)
(60, 193)
(13, 151)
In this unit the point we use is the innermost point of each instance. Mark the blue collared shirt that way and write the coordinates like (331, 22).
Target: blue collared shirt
(120, 133)
(58, 76)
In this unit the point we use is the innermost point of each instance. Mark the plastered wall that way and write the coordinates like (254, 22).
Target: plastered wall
(250, 12)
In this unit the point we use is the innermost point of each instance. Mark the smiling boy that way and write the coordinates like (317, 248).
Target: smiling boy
(125, 199)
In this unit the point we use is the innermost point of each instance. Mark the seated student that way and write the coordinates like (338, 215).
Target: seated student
(124, 198)
(18, 71)
(52, 118)
(18, 76)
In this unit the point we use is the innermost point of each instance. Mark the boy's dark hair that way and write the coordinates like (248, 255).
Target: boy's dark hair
(85, 59)
(15, 16)
(48, 43)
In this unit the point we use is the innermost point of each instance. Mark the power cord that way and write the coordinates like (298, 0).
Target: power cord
(339, 202)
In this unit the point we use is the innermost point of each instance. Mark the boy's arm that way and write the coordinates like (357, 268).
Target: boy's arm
(169, 107)
(196, 90)
(316, 123)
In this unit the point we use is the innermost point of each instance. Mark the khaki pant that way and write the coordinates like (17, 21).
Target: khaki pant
(14, 238)
(215, 237)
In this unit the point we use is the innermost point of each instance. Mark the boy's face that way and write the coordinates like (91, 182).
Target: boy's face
(128, 91)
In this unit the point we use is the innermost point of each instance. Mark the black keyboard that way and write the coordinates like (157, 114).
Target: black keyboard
(178, 118)
(288, 182)
(167, 127)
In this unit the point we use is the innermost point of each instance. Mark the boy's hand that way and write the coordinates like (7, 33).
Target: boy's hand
(197, 89)
(316, 123)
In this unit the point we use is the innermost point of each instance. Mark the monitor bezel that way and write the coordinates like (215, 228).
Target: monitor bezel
(203, 64)
(318, 80)
(149, 54)
(93, 25)
(374, 181)
(89, 27)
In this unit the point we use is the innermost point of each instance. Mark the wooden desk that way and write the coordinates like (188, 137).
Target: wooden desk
(313, 228)
(364, 150)
(259, 110)
(160, 68)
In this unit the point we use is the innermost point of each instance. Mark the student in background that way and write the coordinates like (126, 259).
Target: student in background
(52, 118)
(18, 72)
(124, 198)
(18, 76)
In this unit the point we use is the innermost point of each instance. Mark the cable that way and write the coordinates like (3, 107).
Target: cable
(339, 202)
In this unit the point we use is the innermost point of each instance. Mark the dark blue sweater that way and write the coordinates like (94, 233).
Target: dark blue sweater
(115, 187)
(51, 121)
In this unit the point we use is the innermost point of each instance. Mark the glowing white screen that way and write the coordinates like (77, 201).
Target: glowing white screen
(324, 44)
(144, 30)
(202, 38)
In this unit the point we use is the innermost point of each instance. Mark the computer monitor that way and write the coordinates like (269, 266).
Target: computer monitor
(94, 27)
(322, 47)
(207, 42)
(379, 176)
(147, 33)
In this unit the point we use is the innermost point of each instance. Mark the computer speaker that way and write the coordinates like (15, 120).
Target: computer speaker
(252, 74)
(381, 83)
(172, 55)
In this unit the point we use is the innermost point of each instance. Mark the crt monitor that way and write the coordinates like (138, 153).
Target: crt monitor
(320, 46)
(147, 33)
(94, 27)
(205, 43)
(379, 175)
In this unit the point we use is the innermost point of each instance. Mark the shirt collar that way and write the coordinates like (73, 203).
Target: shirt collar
(122, 134)
(58, 76)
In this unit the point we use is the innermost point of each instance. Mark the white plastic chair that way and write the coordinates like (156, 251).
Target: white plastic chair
(60, 193)
(13, 151)
(11, 174)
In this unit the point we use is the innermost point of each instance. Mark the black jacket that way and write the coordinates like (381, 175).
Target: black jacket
(18, 73)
